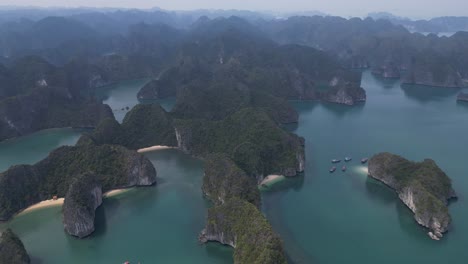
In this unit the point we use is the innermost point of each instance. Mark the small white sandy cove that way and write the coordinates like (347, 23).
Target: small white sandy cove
(153, 148)
(271, 179)
(59, 201)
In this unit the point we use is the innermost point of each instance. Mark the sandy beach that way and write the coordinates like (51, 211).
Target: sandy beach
(153, 148)
(271, 179)
(59, 201)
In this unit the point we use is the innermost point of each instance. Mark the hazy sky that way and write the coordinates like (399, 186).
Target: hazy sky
(413, 8)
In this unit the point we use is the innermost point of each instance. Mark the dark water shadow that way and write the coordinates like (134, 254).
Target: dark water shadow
(290, 127)
(100, 222)
(166, 103)
(215, 249)
(304, 106)
(463, 105)
(295, 251)
(379, 192)
(36, 260)
(341, 110)
(409, 225)
(386, 83)
(425, 94)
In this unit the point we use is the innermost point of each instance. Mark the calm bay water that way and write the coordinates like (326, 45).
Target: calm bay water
(32, 148)
(348, 218)
(322, 217)
(145, 225)
(121, 97)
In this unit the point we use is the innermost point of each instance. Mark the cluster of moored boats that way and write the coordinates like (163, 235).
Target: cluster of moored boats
(346, 159)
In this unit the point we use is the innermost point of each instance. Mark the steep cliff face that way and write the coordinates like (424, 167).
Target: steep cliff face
(422, 186)
(428, 78)
(12, 250)
(83, 197)
(114, 167)
(241, 225)
(462, 97)
(44, 108)
(433, 70)
(223, 180)
(184, 138)
(388, 70)
(348, 94)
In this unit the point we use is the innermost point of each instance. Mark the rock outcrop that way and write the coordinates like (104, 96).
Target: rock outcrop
(422, 186)
(241, 225)
(12, 250)
(347, 94)
(462, 97)
(224, 180)
(83, 197)
(431, 70)
(388, 70)
(114, 166)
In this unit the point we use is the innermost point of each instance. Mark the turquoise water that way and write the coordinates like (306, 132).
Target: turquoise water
(143, 225)
(348, 218)
(122, 97)
(32, 148)
(322, 217)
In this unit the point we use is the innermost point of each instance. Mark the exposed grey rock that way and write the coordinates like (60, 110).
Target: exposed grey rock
(79, 209)
(388, 70)
(462, 97)
(348, 94)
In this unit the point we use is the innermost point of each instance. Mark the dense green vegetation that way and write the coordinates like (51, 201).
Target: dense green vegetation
(145, 125)
(223, 180)
(243, 224)
(426, 173)
(12, 250)
(114, 167)
(249, 137)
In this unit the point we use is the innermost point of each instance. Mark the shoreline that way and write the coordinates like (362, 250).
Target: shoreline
(271, 179)
(59, 201)
(154, 148)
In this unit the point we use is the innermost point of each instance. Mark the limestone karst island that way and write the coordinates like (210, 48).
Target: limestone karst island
(233, 132)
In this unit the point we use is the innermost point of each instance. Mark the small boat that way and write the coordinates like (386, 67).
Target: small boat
(336, 161)
(364, 160)
(348, 159)
(333, 169)
(343, 168)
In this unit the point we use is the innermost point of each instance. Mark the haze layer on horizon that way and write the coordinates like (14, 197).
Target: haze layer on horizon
(412, 8)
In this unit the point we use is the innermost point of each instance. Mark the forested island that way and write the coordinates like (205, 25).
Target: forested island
(232, 78)
(422, 186)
